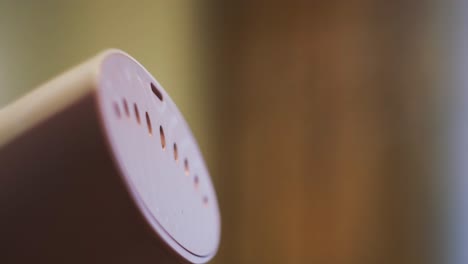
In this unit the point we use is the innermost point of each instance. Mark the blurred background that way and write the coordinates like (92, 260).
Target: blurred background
(321, 121)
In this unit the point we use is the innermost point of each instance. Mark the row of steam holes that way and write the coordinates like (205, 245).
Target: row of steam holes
(136, 112)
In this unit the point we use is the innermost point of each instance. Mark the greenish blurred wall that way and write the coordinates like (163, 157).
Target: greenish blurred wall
(41, 39)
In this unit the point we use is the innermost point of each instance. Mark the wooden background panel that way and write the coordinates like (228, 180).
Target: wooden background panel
(318, 105)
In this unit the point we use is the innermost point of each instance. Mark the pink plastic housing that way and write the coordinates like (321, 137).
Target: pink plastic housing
(158, 158)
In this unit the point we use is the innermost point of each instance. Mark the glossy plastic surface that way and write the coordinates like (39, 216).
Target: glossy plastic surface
(158, 157)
